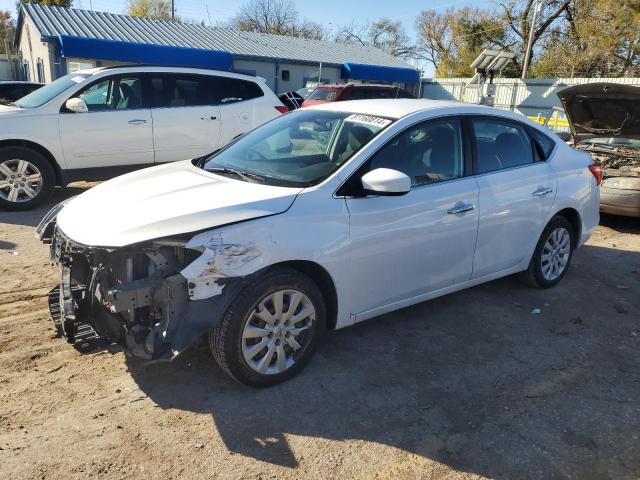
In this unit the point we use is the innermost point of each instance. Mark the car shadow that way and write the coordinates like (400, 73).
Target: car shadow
(620, 224)
(477, 380)
(32, 218)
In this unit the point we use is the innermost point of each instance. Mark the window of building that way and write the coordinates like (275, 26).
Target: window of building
(75, 66)
(40, 69)
(285, 75)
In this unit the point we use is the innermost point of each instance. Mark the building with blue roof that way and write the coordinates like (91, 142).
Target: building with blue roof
(54, 41)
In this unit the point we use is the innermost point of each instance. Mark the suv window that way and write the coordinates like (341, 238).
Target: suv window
(501, 145)
(174, 90)
(430, 152)
(235, 90)
(115, 93)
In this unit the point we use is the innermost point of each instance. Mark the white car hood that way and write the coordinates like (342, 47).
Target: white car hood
(166, 200)
(9, 110)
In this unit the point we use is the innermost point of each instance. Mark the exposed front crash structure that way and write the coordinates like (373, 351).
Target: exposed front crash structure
(153, 298)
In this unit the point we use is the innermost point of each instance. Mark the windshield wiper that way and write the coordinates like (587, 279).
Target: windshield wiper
(238, 173)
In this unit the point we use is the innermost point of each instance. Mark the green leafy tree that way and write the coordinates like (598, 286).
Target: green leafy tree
(55, 3)
(451, 40)
(7, 31)
(154, 9)
(597, 38)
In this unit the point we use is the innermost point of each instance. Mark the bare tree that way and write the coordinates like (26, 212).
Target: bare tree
(386, 34)
(279, 17)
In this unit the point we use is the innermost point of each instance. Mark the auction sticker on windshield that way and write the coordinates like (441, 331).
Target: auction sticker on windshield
(368, 120)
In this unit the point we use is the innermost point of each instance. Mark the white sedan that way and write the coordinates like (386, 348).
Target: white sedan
(319, 219)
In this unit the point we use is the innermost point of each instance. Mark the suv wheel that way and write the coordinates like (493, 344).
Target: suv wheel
(26, 178)
(552, 255)
(271, 329)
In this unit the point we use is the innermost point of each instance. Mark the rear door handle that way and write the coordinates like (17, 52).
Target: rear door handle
(540, 191)
(461, 208)
(137, 121)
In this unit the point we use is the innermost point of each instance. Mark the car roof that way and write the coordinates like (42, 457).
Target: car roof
(19, 82)
(401, 107)
(168, 69)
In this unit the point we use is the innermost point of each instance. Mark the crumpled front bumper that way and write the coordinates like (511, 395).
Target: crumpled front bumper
(151, 314)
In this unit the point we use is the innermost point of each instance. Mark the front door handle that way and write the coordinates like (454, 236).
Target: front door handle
(137, 121)
(461, 208)
(540, 191)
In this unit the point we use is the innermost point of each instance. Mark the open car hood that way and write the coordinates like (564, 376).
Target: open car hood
(166, 200)
(602, 110)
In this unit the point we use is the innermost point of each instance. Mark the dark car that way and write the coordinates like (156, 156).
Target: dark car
(605, 121)
(353, 91)
(13, 91)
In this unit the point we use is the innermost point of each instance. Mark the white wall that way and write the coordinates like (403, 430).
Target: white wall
(530, 97)
(32, 49)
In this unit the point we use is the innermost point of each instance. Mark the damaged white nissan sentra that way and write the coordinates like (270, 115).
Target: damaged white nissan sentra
(317, 220)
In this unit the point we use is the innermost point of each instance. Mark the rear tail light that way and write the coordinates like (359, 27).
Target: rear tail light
(597, 172)
(282, 108)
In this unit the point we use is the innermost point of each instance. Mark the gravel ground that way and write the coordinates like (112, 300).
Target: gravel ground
(470, 385)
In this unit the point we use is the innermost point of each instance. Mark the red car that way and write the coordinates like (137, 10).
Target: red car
(351, 91)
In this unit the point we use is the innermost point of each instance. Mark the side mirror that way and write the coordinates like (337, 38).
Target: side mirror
(385, 181)
(76, 105)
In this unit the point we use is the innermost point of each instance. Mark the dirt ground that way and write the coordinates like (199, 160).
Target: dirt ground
(470, 385)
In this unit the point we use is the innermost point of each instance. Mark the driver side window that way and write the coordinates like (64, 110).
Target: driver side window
(429, 152)
(120, 93)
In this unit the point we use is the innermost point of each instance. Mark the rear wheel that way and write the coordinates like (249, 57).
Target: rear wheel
(271, 329)
(552, 255)
(26, 178)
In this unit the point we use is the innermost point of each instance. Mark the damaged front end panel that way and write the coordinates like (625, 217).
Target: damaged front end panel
(135, 296)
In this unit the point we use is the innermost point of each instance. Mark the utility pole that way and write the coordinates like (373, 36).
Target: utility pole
(527, 53)
(173, 10)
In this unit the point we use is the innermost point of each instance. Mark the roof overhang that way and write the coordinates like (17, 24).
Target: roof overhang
(357, 71)
(114, 50)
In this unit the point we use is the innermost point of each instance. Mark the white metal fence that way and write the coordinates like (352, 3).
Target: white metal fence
(529, 97)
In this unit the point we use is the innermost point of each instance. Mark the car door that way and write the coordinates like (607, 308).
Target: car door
(116, 129)
(404, 246)
(517, 191)
(186, 116)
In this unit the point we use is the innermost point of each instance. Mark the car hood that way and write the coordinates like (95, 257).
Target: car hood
(9, 109)
(166, 200)
(602, 109)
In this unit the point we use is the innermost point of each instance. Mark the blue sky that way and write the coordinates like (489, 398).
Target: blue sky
(330, 13)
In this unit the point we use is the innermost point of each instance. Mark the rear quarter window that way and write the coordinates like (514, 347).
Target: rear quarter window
(236, 90)
(543, 143)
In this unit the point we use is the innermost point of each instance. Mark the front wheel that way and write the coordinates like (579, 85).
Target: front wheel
(271, 329)
(26, 178)
(552, 255)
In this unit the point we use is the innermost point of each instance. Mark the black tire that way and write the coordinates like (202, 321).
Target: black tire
(225, 339)
(42, 164)
(534, 276)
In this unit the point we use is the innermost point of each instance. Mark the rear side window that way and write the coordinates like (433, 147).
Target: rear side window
(168, 90)
(543, 142)
(501, 145)
(229, 90)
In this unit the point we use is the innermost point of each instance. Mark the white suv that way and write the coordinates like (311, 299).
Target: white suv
(95, 124)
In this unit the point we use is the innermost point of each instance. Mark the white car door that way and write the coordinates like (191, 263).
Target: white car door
(403, 246)
(116, 130)
(516, 194)
(186, 117)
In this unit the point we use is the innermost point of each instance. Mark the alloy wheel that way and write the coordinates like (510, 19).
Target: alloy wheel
(20, 181)
(277, 331)
(555, 253)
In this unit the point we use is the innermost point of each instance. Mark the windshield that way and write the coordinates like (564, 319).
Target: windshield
(326, 94)
(299, 149)
(49, 92)
(612, 142)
